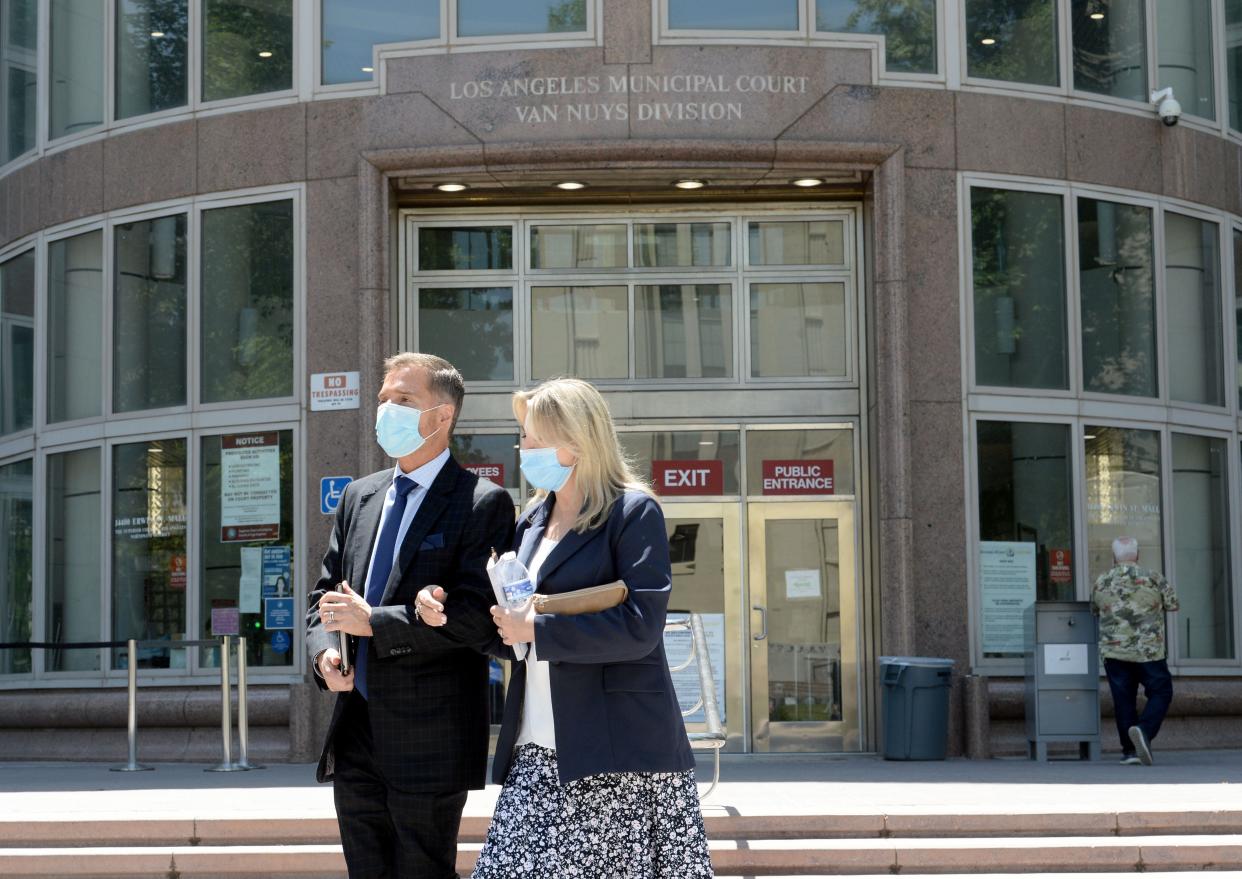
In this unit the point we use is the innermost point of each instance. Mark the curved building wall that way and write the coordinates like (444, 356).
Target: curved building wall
(1000, 398)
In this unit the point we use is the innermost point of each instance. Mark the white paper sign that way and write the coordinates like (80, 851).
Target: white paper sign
(686, 681)
(249, 582)
(249, 487)
(334, 390)
(802, 584)
(1065, 659)
(1007, 581)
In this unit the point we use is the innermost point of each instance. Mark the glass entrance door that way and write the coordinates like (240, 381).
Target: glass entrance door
(803, 635)
(704, 543)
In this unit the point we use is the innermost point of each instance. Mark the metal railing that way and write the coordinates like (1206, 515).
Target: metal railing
(714, 737)
(225, 643)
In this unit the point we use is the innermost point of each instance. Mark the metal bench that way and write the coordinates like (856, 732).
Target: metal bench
(714, 737)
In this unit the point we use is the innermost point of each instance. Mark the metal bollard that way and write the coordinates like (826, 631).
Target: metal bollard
(226, 714)
(133, 765)
(243, 721)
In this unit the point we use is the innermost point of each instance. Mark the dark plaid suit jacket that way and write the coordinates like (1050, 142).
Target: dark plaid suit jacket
(427, 690)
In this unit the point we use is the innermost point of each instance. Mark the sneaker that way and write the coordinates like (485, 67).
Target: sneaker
(1130, 760)
(1140, 745)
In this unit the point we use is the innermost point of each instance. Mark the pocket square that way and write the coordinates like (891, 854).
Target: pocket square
(433, 541)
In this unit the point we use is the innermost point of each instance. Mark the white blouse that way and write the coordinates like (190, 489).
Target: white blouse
(537, 727)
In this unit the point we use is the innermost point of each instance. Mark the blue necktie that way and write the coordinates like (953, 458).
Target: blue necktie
(381, 567)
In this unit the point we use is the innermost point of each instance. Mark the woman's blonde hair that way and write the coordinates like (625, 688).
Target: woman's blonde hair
(569, 413)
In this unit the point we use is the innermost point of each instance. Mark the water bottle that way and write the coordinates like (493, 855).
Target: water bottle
(510, 580)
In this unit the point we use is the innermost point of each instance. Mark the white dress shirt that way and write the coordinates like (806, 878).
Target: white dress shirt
(537, 726)
(423, 476)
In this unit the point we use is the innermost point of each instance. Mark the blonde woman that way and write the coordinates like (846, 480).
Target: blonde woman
(597, 771)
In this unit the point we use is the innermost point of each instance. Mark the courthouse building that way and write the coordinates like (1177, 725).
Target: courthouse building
(908, 307)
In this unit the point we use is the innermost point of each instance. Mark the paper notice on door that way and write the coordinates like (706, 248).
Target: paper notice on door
(802, 584)
(250, 580)
(1065, 659)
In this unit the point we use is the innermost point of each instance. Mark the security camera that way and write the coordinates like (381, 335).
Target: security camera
(1167, 107)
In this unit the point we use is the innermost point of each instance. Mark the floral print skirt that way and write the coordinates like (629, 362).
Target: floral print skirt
(624, 825)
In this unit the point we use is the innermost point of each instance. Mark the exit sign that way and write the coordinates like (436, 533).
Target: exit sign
(673, 478)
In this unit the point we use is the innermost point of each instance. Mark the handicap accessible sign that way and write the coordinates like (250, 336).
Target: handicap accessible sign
(277, 613)
(331, 489)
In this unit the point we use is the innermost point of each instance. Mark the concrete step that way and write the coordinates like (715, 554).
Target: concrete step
(802, 857)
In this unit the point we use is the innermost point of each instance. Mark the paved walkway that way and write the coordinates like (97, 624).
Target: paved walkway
(750, 786)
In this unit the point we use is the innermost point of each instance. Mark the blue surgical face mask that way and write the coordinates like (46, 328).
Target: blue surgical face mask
(542, 470)
(396, 429)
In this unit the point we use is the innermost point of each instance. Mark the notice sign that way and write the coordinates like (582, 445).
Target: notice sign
(797, 477)
(672, 478)
(1007, 581)
(249, 487)
(176, 573)
(334, 390)
(1060, 567)
(492, 472)
(225, 621)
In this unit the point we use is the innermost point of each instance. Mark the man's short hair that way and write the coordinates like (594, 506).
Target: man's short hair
(1125, 549)
(445, 381)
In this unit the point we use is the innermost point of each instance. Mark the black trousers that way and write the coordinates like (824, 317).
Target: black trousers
(1124, 679)
(388, 833)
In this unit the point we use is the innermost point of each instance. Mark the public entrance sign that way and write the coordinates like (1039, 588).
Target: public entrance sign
(681, 478)
(798, 477)
(492, 472)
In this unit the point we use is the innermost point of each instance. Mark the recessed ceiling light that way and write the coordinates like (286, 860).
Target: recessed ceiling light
(690, 184)
(808, 182)
(1088, 436)
(265, 54)
(1097, 16)
(451, 187)
(707, 443)
(988, 41)
(570, 184)
(368, 70)
(157, 34)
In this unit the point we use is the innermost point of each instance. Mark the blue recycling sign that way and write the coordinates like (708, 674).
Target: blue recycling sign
(331, 490)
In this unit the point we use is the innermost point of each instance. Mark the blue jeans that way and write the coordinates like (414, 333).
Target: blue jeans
(1124, 679)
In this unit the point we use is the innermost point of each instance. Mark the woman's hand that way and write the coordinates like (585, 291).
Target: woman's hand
(515, 626)
(429, 606)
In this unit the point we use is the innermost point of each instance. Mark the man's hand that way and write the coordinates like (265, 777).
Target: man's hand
(429, 606)
(515, 626)
(330, 671)
(345, 611)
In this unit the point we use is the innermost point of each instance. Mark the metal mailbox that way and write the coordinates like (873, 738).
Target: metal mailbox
(1062, 678)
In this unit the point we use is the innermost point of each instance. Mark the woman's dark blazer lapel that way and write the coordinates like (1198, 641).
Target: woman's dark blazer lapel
(570, 544)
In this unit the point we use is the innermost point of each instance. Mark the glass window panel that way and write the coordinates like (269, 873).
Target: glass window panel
(471, 327)
(684, 331)
(797, 243)
(17, 343)
(1013, 41)
(578, 247)
(1025, 496)
(798, 330)
(149, 550)
(74, 321)
(1123, 495)
(77, 66)
(908, 27)
(772, 15)
(465, 248)
(247, 47)
(74, 581)
(1237, 300)
(1184, 54)
(19, 31)
(1116, 278)
(1233, 61)
(1020, 320)
(792, 462)
(1192, 281)
(1110, 47)
(352, 27)
(16, 563)
(485, 18)
(492, 456)
(1201, 547)
(580, 331)
(682, 245)
(148, 320)
(715, 453)
(152, 66)
(249, 533)
(247, 295)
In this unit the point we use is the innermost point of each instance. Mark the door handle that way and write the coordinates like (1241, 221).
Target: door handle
(763, 611)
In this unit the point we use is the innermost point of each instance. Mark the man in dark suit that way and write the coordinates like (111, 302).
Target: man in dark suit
(409, 732)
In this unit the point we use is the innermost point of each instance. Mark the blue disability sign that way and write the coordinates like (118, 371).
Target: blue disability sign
(331, 488)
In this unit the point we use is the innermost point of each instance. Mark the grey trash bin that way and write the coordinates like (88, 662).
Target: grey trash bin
(915, 707)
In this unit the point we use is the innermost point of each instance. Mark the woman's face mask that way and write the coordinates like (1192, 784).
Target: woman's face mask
(396, 429)
(542, 470)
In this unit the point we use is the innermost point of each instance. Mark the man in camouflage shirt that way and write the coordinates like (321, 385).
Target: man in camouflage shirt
(1131, 603)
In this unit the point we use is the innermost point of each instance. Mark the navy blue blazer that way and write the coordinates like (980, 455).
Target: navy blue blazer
(613, 703)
